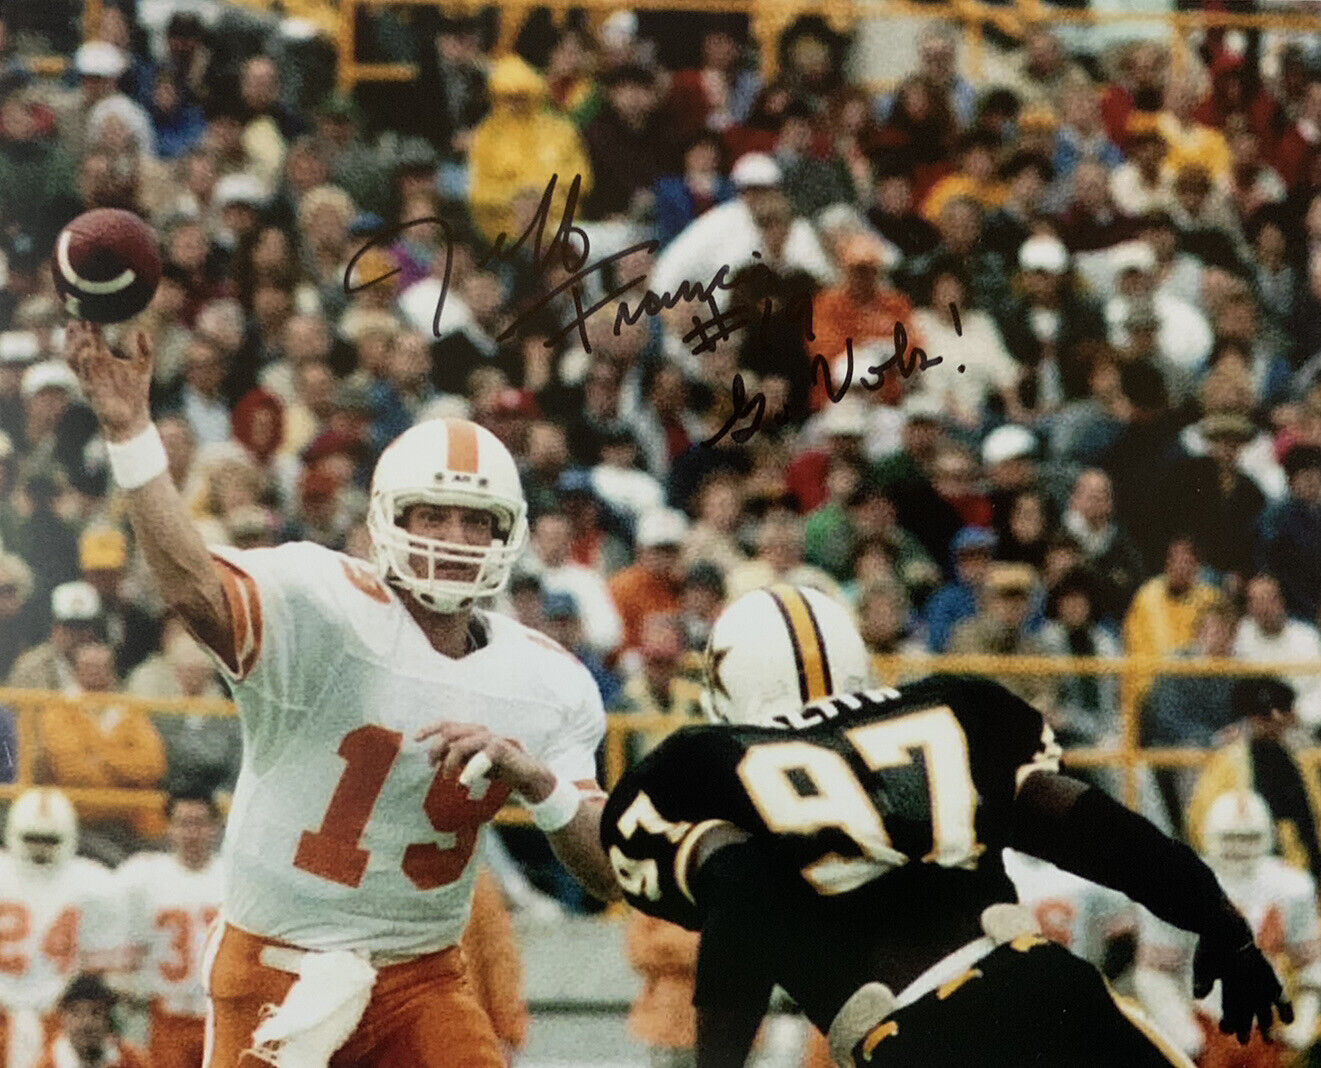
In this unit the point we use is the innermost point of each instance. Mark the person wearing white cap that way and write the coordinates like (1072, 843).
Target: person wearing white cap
(47, 389)
(1046, 319)
(619, 37)
(239, 198)
(1183, 338)
(758, 220)
(99, 66)
(1007, 455)
(76, 615)
(1009, 459)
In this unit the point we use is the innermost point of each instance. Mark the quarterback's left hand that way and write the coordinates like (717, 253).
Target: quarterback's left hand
(454, 744)
(1249, 988)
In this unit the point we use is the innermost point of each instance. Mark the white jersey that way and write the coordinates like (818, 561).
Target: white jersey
(1078, 914)
(342, 835)
(168, 909)
(53, 924)
(1278, 901)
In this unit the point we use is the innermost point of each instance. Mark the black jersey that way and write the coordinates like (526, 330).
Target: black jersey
(883, 781)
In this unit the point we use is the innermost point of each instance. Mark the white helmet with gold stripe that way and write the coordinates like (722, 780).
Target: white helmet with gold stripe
(777, 649)
(446, 462)
(42, 828)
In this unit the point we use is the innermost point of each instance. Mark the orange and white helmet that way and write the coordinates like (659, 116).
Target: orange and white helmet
(777, 649)
(42, 828)
(446, 462)
(1237, 831)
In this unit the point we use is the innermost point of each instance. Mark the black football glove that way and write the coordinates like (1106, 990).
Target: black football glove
(1249, 989)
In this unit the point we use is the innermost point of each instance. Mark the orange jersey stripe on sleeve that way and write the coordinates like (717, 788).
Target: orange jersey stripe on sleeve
(245, 616)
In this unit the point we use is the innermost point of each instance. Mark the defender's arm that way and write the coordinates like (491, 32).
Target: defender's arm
(1085, 831)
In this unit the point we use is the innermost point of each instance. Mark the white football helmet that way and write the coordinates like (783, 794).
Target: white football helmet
(446, 462)
(42, 828)
(777, 649)
(1237, 832)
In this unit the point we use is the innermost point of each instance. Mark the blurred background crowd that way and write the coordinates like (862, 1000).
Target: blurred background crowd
(1110, 251)
(1111, 259)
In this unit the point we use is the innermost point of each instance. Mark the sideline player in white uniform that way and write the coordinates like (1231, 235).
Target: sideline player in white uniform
(1082, 916)
(362, 696)
(171, 900)
(58, 915)
(1279, 903)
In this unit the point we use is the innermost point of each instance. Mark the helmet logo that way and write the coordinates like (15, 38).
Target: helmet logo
(715, 658)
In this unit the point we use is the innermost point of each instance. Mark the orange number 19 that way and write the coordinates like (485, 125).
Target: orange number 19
(332, 851)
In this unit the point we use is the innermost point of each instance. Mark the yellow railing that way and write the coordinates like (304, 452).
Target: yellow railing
(1127, 756)
(770, 18)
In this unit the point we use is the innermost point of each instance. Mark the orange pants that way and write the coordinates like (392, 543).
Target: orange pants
(422, 1013)
(176, 1041)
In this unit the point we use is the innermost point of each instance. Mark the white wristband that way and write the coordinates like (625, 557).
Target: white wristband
(137, 461)
(558, 809)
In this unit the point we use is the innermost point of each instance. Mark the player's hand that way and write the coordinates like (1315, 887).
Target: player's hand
(116, 387)
(454, 744)
(1249, 988)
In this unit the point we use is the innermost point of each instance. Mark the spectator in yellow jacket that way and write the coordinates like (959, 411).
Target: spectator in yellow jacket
(516, 149)
(1162, 617)
(103, 745)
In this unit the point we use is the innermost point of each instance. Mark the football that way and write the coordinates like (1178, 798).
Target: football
(107, 265)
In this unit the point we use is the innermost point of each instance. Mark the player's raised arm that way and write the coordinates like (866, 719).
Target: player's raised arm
(1084, 830)
(117, 389)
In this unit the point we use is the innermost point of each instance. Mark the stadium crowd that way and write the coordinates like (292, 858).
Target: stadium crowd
(1112, 263)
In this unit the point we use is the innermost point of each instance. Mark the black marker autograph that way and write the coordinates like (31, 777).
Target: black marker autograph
(564, 247)
(904, 360)
(561, 246)
(705, 332)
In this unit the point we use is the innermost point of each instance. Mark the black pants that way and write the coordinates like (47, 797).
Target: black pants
(1030, 1002)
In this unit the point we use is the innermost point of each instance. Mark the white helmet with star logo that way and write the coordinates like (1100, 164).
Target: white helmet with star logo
(777, 649)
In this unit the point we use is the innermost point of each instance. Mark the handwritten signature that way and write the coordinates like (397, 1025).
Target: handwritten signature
(904, 360)
(570, 248)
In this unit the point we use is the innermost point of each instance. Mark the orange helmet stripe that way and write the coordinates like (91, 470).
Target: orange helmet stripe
(461, 443)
